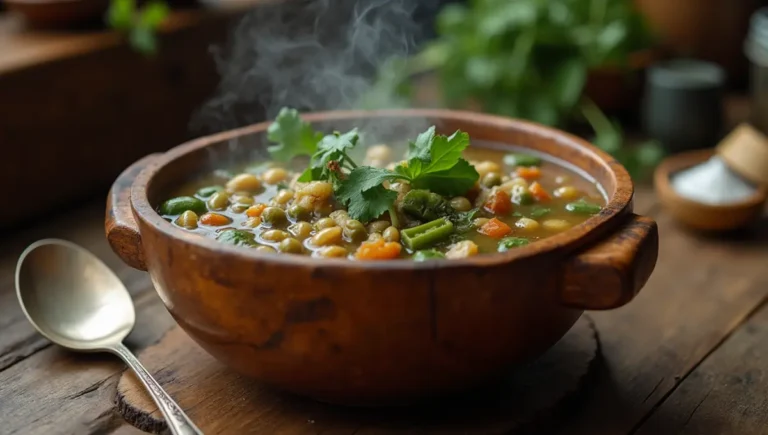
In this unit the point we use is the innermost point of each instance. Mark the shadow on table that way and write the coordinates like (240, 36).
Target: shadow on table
(755, 235)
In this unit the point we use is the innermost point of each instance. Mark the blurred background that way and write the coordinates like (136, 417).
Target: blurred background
(89, 86)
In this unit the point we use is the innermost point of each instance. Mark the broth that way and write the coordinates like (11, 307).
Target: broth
(518, 199)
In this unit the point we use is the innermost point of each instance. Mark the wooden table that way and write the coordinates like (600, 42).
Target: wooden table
(689, 355)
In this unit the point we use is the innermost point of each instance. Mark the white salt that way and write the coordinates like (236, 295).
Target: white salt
(713, 183)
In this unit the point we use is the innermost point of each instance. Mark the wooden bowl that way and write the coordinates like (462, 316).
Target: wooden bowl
(58, 13)
(703, 216)
(381, 332)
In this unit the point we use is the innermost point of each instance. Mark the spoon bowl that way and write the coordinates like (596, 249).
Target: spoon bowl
(72, 297)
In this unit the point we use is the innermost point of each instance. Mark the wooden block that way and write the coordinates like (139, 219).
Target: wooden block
(221, 401)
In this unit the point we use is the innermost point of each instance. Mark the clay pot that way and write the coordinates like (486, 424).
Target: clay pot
(712, 30)
(383, 332)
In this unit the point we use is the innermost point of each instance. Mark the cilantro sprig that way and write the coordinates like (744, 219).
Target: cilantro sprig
(434, 163)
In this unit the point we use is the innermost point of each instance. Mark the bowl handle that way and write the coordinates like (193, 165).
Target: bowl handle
(609, 274)
(120, 225)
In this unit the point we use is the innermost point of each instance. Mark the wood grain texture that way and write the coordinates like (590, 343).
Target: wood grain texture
(702, 290)
(222, 402)
(610, 274)
(306, 324)
(82, 136)
(711, 399)
(120, 226)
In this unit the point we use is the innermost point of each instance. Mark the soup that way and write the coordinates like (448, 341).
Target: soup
(442, 201)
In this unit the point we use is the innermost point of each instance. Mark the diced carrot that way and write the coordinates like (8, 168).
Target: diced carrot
(495, 228)
(532, 173)
(538, 192)
(378, 250)
(214, 219)
(255, 210)
(499, 202)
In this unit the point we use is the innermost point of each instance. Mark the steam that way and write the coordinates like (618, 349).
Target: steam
(311, 55)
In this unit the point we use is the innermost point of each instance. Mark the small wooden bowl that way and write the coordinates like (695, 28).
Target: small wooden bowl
(58, 13)
(700, 216)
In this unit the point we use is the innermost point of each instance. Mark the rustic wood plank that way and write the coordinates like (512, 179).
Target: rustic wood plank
(727, 393)
(222, 402)
(58, 392)
(25, 48)
(701, 291)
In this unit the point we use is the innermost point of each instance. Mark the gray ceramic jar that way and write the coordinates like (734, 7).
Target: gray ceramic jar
(683, 104)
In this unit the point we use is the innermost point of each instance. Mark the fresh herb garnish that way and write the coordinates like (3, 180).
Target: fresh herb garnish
(294, 136)
(434, 163)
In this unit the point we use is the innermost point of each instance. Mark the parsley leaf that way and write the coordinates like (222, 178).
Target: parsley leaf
(435, 164)
(420, 148)
(293, 136)
(363, 193)
(332, 148)
(454, 181)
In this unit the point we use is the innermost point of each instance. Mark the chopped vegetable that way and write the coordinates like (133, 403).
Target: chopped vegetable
(498, 202)
(495, 228)
(425, 205)
(426, 235)
(512, 242)
(525, 160)
(205, 192)
(583, 207)
(521, 195)
(462, 249)
(214, 219)
(237, 238)
(181, 204)
(428, 254)
(538, 192)
(528, 173)
(255, 210)
(378, 250)
(538, 212)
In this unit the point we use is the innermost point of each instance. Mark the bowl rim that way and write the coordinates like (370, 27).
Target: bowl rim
(662, 180)
(618, 206)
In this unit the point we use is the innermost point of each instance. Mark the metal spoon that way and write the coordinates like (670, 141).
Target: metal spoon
(77, 302)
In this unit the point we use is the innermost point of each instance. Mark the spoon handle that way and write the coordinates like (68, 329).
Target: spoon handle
(177, 420)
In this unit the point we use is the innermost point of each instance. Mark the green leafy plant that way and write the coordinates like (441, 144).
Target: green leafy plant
(434, 163)
(528, 59)
(139, 24)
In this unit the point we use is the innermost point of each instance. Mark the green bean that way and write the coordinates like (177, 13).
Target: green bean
(218, 201)
(237, 238)
(181, 204)
(273, 216)
(206, 192)
(491, 179)
(583, 207)
(428, 254)
(428, 234)
(515, 159)
(538, 212)
(354, 230)
(298, 213)
(512, 242)
(461, 204)
(290, 246)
